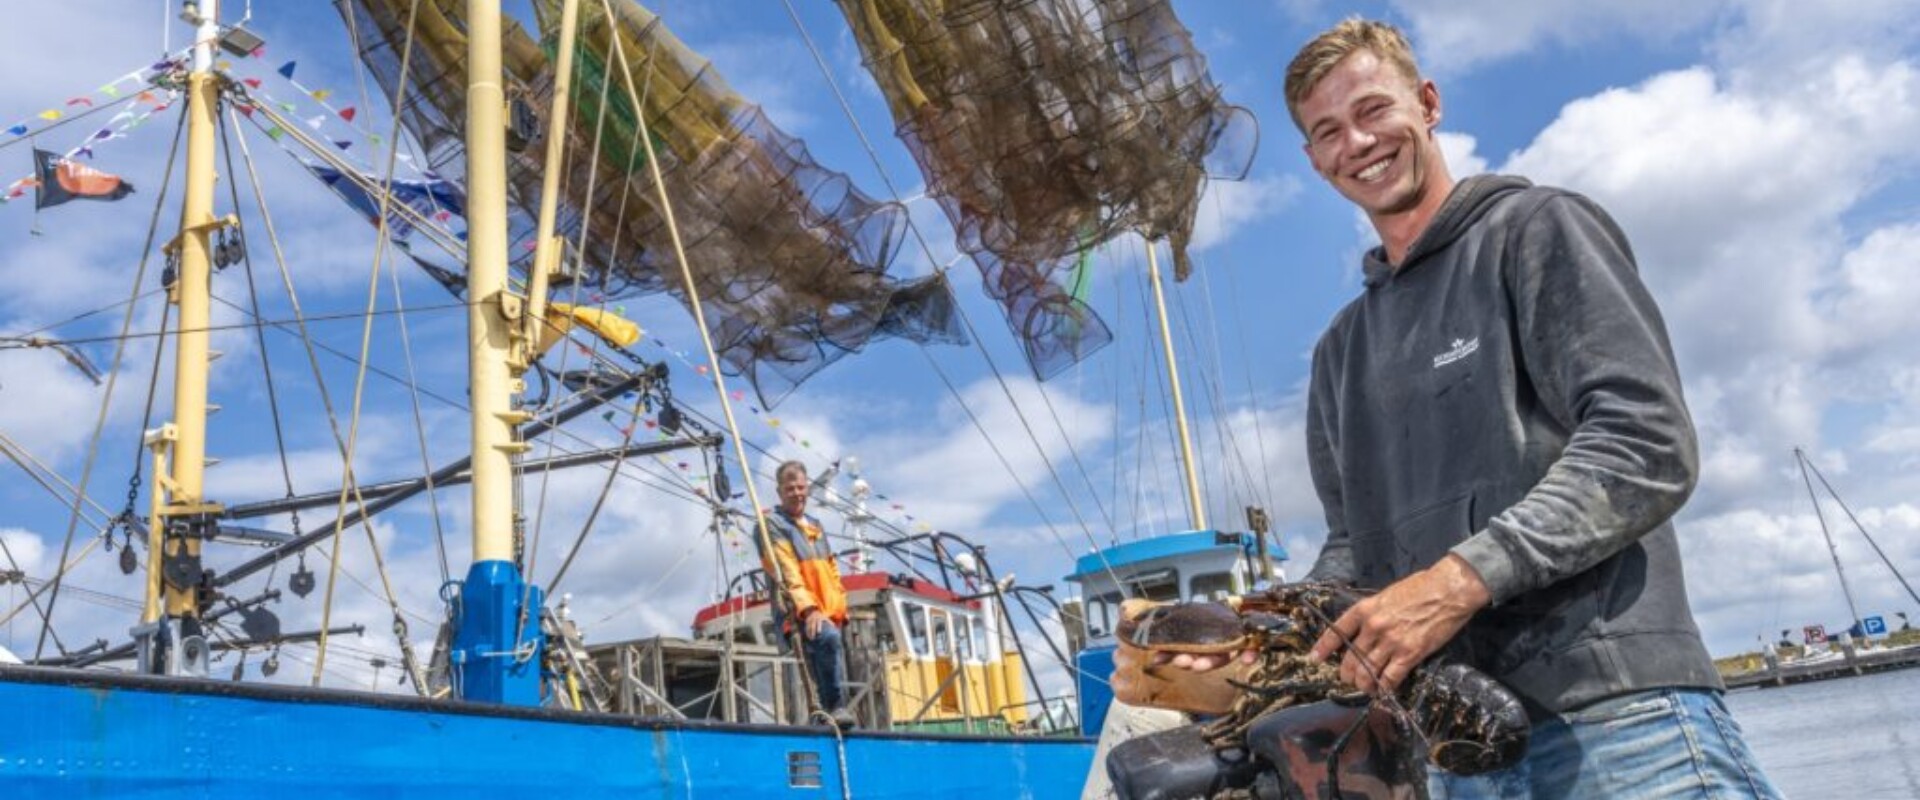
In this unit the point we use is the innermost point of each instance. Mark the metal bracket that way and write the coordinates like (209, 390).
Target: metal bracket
(208, 226)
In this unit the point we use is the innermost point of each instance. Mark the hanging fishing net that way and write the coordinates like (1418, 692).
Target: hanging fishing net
(790, 259)
(1046, 128)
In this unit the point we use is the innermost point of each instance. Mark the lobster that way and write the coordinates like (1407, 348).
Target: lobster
(1470, 723)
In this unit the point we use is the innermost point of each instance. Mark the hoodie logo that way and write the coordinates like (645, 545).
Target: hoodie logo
(1461, 349)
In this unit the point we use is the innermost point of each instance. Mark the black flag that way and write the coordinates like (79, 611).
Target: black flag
(63, 179)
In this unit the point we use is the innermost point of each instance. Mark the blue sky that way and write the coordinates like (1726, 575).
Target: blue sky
(1758, 154)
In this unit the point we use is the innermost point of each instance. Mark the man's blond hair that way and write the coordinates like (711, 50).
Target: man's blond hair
(1327, 50)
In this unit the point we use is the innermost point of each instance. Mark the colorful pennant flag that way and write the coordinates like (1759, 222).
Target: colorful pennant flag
(322, 94)
(50, 115)
(81, 101)
(347, 113)
(286, 70)
(252, 83)
(18, 130)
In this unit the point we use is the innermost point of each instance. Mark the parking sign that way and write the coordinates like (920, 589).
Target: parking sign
(1874, 626)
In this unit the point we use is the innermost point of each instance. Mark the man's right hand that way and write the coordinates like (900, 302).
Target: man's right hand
(813, 622)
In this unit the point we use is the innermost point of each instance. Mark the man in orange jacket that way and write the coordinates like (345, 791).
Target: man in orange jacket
(804, 568)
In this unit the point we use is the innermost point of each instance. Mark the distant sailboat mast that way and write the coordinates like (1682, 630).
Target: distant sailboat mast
(1807, 473)
(1800, 457)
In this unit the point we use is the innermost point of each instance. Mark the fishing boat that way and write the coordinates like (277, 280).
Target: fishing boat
(512, 696)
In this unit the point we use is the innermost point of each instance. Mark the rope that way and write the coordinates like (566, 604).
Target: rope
(66, 120)
(113, 378)
(14, 452)
(539, 282)
(349, 485)
(344, 316)
(46, 622)
(1246, 366)
(260, 334)
(80, 316)
(706, 339)
(313, 361)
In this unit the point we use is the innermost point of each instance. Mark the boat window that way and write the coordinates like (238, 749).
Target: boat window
(962, 636)
(916, 627)
(1101, 613)
(942, 645)
(1211, 586)
(1160, 585)
(982, 653)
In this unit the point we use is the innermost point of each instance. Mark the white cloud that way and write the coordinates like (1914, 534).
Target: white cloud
(1452, 37)
(1228, 206)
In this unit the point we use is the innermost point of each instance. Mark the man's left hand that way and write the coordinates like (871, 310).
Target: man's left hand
(1390, 633)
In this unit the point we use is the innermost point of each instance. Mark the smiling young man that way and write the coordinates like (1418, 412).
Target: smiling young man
(1498, 438)
(1496, 432)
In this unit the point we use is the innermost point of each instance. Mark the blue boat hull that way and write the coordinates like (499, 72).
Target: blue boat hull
(69, 734)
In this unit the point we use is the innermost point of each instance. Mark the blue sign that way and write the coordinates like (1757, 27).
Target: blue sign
(1875, 626)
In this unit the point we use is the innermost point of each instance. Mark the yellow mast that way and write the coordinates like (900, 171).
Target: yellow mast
(497, 639)
(181, 443)
(1198, 512)
(490, 318)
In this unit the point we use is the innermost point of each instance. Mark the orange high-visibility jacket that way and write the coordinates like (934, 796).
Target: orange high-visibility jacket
(807, 567)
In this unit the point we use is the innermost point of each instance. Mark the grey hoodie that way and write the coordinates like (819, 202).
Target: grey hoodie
(1509, 395)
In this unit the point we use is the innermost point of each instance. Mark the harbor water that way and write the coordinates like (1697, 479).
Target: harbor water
(1851, 737)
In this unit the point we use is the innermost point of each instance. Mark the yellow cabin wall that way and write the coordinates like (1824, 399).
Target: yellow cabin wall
(910, 681)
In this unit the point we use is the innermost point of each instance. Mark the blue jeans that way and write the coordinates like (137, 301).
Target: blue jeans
(1667, 743)
(828, 668)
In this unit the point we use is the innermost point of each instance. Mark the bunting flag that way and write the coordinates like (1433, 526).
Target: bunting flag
(316, 121)
(252, 83)
(276, 132)
(322, 94)
(347, 113)
(62, 179)
(92, 100)
(421, 196)
(286, 70)
(342, 144)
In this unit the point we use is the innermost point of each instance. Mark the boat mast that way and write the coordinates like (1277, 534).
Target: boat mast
(1801, 459)
(496, 652)
(171, 635)
(1197, 513)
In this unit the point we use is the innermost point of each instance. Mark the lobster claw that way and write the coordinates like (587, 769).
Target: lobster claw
(1473, 723)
